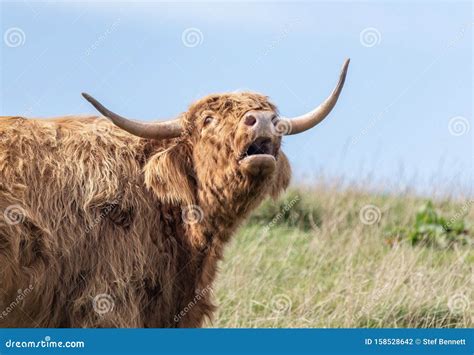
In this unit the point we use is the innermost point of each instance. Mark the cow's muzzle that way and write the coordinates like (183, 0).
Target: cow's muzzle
(259, 157)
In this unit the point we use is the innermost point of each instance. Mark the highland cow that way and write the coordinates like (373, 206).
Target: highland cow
(117, 223)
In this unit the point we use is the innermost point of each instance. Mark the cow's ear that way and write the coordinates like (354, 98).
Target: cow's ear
(282, 178)
(169, 175)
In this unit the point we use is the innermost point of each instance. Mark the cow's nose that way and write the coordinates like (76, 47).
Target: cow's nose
(259, 121)
(250, 120)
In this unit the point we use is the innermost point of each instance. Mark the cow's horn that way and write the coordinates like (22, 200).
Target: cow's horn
(304, 122)
(155, 130)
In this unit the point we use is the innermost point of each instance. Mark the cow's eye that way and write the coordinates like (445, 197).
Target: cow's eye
(208, 120)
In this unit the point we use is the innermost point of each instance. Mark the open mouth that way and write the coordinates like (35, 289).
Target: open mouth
(259, 158)
(259, 147)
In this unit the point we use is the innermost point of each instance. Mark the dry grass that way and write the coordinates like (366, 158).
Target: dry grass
(344, 273)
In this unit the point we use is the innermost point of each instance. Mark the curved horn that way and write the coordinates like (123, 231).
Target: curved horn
(309, 120)
(155, 130)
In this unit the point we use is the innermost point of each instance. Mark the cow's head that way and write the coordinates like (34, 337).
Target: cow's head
(225, 150)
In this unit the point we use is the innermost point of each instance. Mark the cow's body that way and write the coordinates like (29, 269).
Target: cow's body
(103, 226)
(88, 225)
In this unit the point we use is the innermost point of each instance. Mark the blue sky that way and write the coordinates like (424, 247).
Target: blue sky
(404, 117)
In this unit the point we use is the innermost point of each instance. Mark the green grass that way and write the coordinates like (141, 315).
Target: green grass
(308, 260)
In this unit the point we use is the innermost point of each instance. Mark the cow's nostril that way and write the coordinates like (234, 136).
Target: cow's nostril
(250, 120)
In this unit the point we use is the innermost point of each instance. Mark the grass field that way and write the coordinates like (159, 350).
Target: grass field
(328, 257)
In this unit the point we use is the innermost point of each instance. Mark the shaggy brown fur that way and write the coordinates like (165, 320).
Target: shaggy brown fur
(100, 211)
